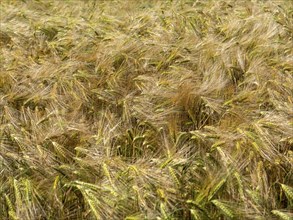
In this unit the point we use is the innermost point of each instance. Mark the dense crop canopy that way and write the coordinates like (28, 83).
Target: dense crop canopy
(146, 109)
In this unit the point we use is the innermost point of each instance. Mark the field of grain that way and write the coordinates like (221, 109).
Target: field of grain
(146, 109)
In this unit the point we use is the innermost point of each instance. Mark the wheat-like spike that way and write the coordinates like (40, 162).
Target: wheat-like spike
(84, 185)
(161, 194)
(173, 174)
(256, 146)
(254, 196)
(17, 194)
(195, 214)
(12, 214)
(166, 162)
(134, 168)
(199, 207)
(163, 210)
(59, 149)
(136, 190)
(240, 185)
(56, 181)
(289, 192)
(10, 206)
(260, 170)
(283, 215)
(107, 173)
(92, 206)
(28, 190)
(111, 190)
(227, 211)
(216, 188)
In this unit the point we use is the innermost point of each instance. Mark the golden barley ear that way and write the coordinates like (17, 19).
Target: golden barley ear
(224, 208)
(11, 211)
(283, 215)
(288, 192)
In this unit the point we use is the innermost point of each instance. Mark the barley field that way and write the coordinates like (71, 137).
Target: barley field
(146, 109)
